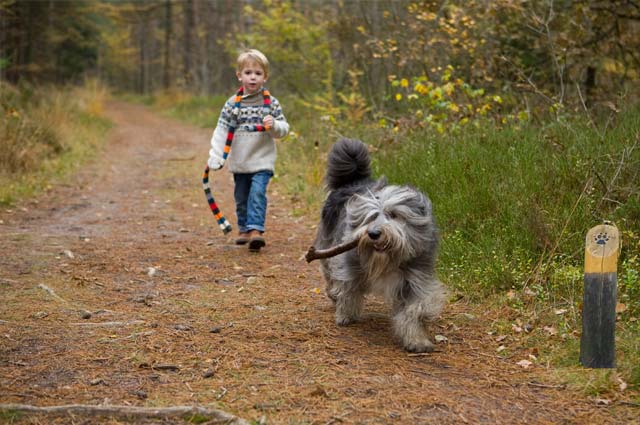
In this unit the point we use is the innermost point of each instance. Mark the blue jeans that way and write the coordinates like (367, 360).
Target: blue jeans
(251, 199)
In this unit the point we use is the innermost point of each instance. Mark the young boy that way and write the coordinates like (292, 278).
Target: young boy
(253, 152)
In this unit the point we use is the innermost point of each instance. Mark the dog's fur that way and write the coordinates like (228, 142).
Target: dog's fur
(397, 244)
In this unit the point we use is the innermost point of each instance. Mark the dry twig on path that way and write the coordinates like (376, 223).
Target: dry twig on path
(109, 324)
(52, 293)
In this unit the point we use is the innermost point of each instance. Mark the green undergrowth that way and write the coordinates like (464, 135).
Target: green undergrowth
(45, 134)
(514, 205)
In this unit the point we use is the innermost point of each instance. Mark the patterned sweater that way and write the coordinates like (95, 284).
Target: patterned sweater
(251, 151)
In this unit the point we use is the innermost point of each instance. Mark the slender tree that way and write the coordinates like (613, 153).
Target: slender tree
(168, 34)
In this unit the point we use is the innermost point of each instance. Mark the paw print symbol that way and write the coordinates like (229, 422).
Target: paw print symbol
(602, 238)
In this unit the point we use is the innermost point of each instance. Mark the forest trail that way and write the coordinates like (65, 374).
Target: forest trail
(153, 306)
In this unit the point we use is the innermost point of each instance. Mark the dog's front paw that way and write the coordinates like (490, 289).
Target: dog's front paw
(421, 346)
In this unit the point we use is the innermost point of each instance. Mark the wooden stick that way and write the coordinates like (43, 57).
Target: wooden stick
(313, 254)
(127, 411)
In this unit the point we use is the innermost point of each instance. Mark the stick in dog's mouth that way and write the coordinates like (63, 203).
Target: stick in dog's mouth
(316, 254)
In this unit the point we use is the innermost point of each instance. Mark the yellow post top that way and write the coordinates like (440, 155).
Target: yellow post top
(602, 249)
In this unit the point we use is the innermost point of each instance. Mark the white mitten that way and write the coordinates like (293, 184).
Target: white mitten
(215, 163)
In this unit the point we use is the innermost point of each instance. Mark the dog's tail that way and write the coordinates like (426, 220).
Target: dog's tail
(348, 162)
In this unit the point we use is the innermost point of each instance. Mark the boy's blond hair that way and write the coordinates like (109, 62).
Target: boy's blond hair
(253, 55)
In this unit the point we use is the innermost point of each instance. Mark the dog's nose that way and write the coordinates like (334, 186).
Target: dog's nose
(374, 234)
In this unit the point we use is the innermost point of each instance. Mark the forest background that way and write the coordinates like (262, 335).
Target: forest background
(520, 119)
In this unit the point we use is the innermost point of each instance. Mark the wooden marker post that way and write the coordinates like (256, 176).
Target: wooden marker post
(597, 346)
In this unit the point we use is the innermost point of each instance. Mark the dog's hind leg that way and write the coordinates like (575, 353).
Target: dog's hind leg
(413, 311)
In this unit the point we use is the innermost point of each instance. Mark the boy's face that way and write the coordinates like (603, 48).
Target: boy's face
(252, 77)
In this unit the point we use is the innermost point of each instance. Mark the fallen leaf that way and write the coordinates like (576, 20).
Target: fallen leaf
(500, 349)
(182, 327)
(602, 401)
(524, 364)
(611, 106)
(550, 330)
(621, 308)
(623, 385)
(441, 338)
(501, 338)
(560, 311)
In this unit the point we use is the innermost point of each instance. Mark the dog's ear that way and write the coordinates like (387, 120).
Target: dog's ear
(380, 184)
(424, 204)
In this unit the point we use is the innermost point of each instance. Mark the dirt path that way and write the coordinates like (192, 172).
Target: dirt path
(181, 316)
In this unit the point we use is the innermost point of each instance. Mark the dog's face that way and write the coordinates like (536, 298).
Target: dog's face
(391, 221)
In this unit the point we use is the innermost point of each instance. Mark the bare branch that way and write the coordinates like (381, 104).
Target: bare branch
(128, 412)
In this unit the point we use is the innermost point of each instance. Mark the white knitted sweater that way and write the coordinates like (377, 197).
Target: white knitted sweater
(251, 151)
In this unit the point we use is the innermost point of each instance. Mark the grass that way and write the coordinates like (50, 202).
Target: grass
(46, 133)
(514, 205)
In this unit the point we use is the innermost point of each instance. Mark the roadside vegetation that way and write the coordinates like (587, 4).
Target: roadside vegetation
(46, 132)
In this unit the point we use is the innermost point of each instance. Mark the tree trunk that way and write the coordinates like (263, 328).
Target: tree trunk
(189, 21)
(168, 33)
(590, 85)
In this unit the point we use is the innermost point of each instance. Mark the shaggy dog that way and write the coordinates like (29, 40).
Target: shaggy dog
(396, 251)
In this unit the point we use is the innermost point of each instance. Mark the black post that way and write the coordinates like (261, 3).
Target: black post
(597, 345)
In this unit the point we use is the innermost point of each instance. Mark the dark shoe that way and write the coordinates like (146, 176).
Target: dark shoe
(256, 241)
(243, 238)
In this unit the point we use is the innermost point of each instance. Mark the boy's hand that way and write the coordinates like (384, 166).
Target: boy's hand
(268, 121)
(215, 163)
